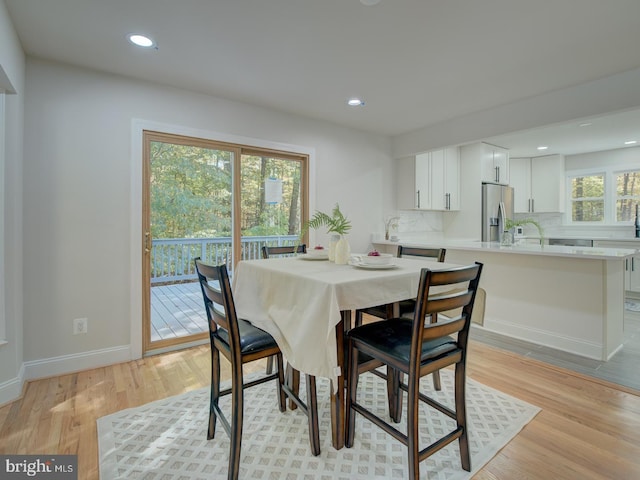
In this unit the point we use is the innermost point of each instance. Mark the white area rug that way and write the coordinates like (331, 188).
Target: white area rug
(166, 439)
(632, 306)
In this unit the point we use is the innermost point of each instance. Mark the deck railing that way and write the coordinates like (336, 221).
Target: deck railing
(172, 258)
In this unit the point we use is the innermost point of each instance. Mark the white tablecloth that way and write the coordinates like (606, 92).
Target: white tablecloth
(299, 301)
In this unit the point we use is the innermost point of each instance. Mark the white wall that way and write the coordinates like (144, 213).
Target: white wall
(621, 157)
(605, 95)
(12, 78)
(77, 195)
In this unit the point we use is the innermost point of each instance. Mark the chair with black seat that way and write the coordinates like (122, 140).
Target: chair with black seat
(241, 342)
(405, 306)
(416, 347)
(286, 250)
(268, 251)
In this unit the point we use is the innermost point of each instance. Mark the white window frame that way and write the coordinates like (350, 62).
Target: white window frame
(614, 186)
(610, 194)
(569, 199)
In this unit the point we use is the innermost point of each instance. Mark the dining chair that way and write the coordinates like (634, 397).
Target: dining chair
(416, 347)
(241, 342)
(268, 251)
(285, 250)
(405, 306)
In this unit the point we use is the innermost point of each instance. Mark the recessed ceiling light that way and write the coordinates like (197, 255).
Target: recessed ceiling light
(141, 40)
(542, 147)
(355, 102)
(631, 142)
(369, 3)
(585, 124)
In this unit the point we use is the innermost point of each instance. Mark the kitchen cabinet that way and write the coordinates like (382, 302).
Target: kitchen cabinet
(495, 164)
(412, 183)
(429, 181)
(631, 265)
(445, 179)
(539, 184)
(541, 285)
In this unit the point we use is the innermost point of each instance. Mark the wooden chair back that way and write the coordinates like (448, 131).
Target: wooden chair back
(436, 253)
(458, 287)
(283, 250)
(218, 301)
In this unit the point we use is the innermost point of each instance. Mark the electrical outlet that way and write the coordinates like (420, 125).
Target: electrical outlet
(79, 326)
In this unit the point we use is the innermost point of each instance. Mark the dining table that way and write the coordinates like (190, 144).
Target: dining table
(305, 303)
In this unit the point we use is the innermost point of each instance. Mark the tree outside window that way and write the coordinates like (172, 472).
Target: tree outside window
(627, 195)
(587, 198)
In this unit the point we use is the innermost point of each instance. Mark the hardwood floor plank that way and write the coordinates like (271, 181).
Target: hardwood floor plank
(587, 429)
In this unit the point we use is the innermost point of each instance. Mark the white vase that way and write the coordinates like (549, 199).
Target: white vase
(332, 247)
(343, 251)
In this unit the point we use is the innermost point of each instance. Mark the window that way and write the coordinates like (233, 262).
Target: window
(216, 200)
(627, 195)
(608, 196)
(588, 198)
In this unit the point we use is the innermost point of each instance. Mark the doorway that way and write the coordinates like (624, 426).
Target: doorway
(218, 201)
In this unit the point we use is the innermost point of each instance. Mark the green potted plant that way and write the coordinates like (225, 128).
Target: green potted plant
(510, 224)
(339, 225)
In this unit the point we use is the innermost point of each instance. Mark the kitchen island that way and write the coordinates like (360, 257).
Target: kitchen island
(568, 298)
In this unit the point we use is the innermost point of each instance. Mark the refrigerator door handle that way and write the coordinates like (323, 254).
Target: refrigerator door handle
(502, 220)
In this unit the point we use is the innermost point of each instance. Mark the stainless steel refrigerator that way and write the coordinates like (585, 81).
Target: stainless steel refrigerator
(497, 206)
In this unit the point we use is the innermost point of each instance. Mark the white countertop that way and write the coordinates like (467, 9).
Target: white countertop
(595, 253)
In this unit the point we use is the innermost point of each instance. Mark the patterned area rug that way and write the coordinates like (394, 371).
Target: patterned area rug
(166, 439)
(632, 306)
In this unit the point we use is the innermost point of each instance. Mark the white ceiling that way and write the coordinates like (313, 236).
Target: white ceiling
(416, 63)
(584, 135)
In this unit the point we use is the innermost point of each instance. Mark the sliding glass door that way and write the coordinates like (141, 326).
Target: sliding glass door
(217, 201)
(271, 200)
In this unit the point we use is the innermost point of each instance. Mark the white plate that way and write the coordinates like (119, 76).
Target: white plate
(373, 266)
(314, 256)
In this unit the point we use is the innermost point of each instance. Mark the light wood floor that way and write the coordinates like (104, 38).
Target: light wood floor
(587, 429)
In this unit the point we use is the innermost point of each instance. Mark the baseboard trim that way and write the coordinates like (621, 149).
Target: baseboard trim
(49, 367)
(12, 389)
(548, 339)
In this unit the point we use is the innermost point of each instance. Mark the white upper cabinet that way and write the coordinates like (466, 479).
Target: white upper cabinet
(445, 179)
(412, 183)
(520, 176)
(495, 164)
(539, 184)
(422, 184)
(429, 181)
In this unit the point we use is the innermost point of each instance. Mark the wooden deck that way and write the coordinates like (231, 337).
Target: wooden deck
(176, 311)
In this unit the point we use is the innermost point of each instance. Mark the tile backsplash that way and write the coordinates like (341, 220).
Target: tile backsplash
(421, 225)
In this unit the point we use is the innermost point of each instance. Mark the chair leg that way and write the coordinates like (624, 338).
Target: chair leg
(352, 390)
(312, 413)
(358, 319)
(394, 394)
(293, 380)
(269, 369)
(412, 428)
(461, 416)
(282, 398)
(436, 380)
(215, 391)
(237, 416)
